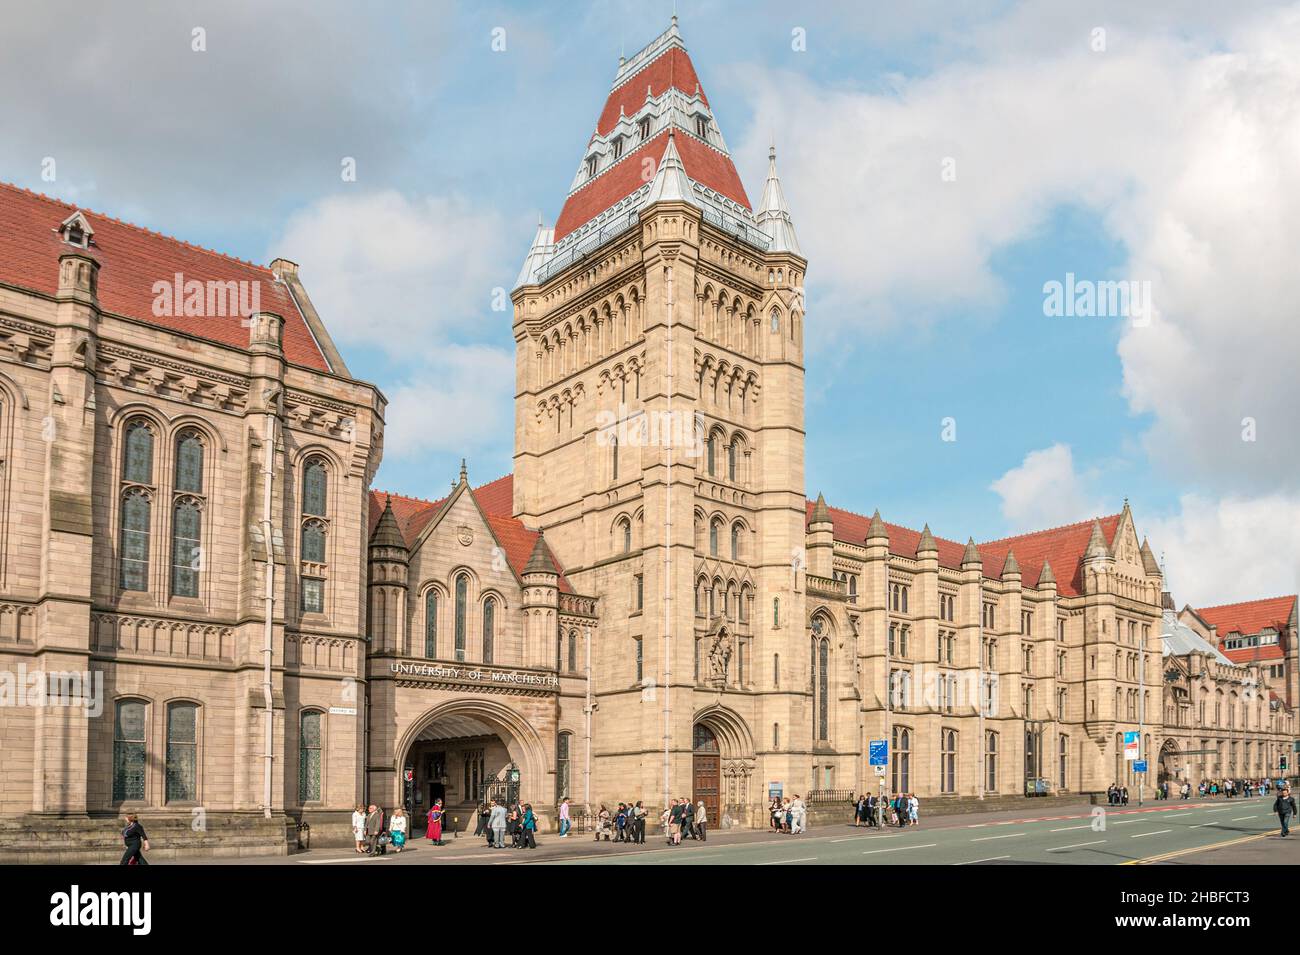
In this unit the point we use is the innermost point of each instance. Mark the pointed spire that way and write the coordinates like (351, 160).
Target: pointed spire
(877, 529)
(971, 555)
(387, 533)
(464, 473)
(926, 542)
(540, 562)
(773, 214)
(1149, 563)
(1010, 565)
(1045, 576)
(670, 181)
(543, 248)
(1097, 546)
(821, 514)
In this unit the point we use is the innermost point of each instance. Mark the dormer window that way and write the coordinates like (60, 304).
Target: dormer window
(76, 231)
(618, 148)
(644, 127)
(701, 127)
(591, 166)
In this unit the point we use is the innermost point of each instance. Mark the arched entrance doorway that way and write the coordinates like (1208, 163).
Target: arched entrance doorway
(1168, 770)
(465, 752)
(723, 765)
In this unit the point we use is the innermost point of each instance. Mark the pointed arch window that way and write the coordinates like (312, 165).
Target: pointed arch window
(182, 752)
(136, 513)
(137, 461)
(431, 624)
(731, 462)
(948, 761)
(489, 628)
(713, 536)
(613, 450)
(313, 534)
(462, 601)
(187, 546)
(991, 762)
(776, 321)
(129, 751)
(712, 454)
(309, 756)
(901, 764)
(735, 541)
(189, 462)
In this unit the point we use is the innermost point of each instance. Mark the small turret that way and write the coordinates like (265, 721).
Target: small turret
(971, 556)
(1011, 566)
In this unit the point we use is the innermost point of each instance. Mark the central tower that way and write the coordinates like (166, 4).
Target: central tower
(659, 442)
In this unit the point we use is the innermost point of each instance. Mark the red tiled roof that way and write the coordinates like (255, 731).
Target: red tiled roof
(1253, 654)
(495, 499)
(1250, 616)
(674, 68)
(1062, 546)
(131, 260)
(704, 164)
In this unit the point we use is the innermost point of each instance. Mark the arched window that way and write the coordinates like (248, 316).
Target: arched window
(431, 624)
(1063, 752)
(991, 762)
(948, 761)
(182, 752)
(711, 454)
(823, 689)
(189, 462)
(309, 756)
(902, 760)
(735, 541)
(776, 320)
(563, 745)
(136, 511)
(731, 462)
(462, 600)
(315, 485)
(128, 751)
(489, 625)
(714, 525)
(187, 549)
(573, 651)
(137, 458)
(613, 455)
(627, 536)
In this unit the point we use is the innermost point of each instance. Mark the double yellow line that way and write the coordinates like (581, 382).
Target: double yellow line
(1182, 852)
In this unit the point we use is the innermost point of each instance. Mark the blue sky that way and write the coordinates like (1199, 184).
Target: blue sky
(1155, 158)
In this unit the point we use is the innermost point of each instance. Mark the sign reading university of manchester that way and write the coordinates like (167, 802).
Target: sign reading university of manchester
(466, 675)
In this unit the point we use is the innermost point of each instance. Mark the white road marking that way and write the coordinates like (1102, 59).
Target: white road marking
(1239, 818)
(1127, 822)
(1077, 845)
(928, 845)
(1224, 809)
(1009, 835)
(788, 861)
(1157, 832)
(1175, 815)
(1068, 828)
(977, 861)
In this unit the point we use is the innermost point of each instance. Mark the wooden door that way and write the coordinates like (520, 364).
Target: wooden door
(707, 777)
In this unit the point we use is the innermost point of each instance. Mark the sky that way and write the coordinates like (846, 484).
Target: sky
(944, 165)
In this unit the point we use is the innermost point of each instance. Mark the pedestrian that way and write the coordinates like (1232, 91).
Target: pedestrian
(137, 842)
(775, 812)
(688, 819)
(359, 828)
(638, 823)
(373, 827)
(497, 823)
(433, 828)
(913, 810)
(480, 819)
(602, 824)
(798, 814)
(675, 816)
(1283, 805)
(564, 818)
(397, 829)
(701, 821)
(530, 827)
(514, 825)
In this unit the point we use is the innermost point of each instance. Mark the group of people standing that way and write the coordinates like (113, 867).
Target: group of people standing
(1234, 787)
(496, 820)
(372, 833)
(625, 824)
(789, 815)
(902, 809)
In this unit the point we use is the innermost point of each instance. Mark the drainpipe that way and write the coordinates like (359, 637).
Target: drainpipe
(668, 551)
(268, 475)
(587, 710)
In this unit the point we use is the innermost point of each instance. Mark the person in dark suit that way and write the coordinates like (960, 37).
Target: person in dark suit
(135, 840)
(1284, 806)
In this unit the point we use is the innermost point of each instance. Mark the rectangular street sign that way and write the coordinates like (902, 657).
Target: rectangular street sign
(1139, 765)
(1131, 745)
(878, 753)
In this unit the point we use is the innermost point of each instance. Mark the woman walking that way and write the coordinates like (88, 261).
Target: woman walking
(134, 838)
(530, 827)
(359, 827)
(433, 831)
(397, 827)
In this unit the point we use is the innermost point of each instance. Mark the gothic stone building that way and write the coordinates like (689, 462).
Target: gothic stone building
(209, 616)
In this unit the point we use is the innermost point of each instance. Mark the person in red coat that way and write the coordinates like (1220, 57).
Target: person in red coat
(434, 829)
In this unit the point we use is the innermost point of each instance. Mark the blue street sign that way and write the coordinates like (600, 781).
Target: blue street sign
(1139, 765)
(878, 753)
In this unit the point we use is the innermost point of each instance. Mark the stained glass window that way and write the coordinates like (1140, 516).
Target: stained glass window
(489, 615)
(573, 651)
(562, 765)
(431, 624)
(137, 465)
(823, 689)
(182, 752)
(128, 751)
(309, 757)
(313, 595)
(136, 509)
(186, 548)
(189, 463)
(314, 483)
(313, 542)
(462, 596)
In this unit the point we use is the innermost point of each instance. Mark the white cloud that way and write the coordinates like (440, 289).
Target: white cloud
(399, 273)
(1234, 548)
(1045, 491)
(461, 403)
(1183, 138)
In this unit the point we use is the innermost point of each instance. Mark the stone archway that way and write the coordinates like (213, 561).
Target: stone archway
(1168, 768)
(720, 734)
(458, 748)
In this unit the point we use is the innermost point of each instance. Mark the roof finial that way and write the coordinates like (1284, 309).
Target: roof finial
(464, 474)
